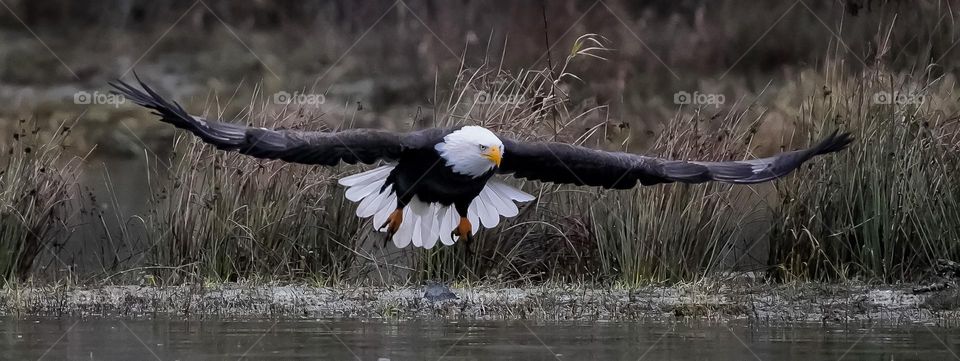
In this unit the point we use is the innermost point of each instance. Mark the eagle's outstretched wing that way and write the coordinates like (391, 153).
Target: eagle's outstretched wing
(323, 148)
(564, 163)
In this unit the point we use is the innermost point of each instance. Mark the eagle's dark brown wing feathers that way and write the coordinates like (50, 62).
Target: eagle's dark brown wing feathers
(564, 163)
(782, 164)
(323, 148)
(545, 161)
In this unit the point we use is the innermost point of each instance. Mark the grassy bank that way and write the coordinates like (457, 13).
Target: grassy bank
(837, 304)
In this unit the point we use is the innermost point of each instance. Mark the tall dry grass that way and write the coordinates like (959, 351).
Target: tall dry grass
(39, 197)
(887, 208)
(678, 232)
(223, 216)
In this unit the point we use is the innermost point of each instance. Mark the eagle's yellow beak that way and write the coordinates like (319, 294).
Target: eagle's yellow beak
(494, 155)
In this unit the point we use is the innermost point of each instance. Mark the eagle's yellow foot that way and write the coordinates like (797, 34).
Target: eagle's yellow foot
(393, 221)
(464, 230)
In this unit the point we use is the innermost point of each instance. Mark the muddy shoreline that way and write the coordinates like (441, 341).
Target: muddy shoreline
(806, 302)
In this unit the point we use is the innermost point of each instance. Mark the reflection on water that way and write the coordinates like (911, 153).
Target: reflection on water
(98, 338)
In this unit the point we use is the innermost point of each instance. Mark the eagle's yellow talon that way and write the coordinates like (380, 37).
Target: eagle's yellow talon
(464, 229)
(393, 221)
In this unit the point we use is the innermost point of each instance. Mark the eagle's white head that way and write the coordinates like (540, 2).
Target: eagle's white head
(471, 150)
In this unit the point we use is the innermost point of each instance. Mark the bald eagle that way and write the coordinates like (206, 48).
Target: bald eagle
(438, 184)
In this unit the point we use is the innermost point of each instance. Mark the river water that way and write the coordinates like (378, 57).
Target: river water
(170, 339)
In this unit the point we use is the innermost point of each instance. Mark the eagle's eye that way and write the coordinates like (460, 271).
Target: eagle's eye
(483, 147)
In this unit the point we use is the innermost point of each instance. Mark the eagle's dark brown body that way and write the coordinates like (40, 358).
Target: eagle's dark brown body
(422, 172)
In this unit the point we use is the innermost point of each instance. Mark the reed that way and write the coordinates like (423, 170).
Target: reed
(887, 208)
(223, 216)
(39, 197)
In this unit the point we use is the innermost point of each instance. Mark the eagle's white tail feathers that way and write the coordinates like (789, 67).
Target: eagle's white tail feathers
(448, 221)
(387, 207)
(504, 204)
(425, 224)
(367, 177)
(495, 200)
(473, 215)
(374, 203)
(404, 235)
(510, 191)
(422, 221)
(489, 213)
(375, 199)
(415, 231)
(358, 192)
(429, 226)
